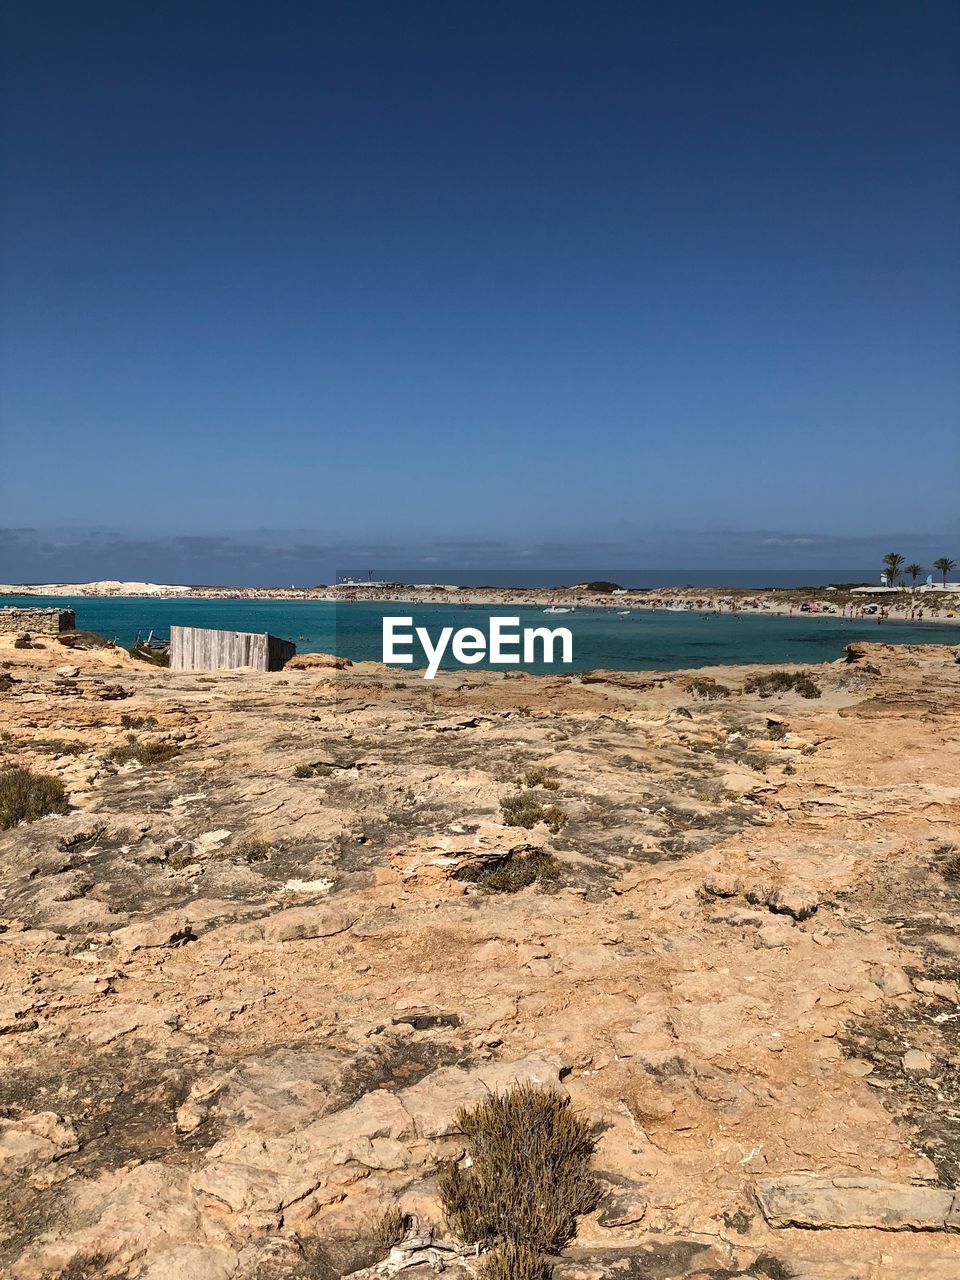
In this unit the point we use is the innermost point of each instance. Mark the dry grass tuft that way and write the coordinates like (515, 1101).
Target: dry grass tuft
(85, 1266)
(950, 864)
(147, 753)
(57, 746)
(514, 1262)
(128, 721)
(391, 1229)
(525, 809)
(540, 776)
(512, 873)
(529, 1181)
(26, 796)
(252, 849)
(782, 682)
(711, 690)
(312, 771)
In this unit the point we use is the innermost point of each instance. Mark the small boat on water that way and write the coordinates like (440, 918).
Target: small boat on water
(556, 608)
(623, 613)
(677, 608)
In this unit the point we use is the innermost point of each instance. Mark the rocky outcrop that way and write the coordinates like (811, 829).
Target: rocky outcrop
(801, 1200)
(246, 985)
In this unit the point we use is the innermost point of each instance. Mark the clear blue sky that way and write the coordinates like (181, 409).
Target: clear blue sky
(547, 277)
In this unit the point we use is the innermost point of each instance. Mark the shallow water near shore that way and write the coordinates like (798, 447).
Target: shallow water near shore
(646, 640)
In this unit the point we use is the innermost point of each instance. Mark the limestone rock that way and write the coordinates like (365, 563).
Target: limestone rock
(793, 900)
(805, 1200)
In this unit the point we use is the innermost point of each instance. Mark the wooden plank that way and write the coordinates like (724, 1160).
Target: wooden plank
(209, 649)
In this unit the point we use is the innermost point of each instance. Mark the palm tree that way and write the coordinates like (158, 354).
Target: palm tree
(894, 564)
(914, 571)
(944, 566)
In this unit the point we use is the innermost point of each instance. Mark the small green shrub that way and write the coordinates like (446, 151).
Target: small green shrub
(525, 810)
(512, 874)
(151, 753)
(57, 746)
(950, 865)
(26, 796)
(252, 849)
(147, 753)
(391, 1229)
(540, 776)
(312, 771)
(128, 721)
(711, 690)
(529, 1179)
(772, 682)
(514, 1262)
(555, 818)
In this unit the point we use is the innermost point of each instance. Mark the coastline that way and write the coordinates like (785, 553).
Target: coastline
(934, 603)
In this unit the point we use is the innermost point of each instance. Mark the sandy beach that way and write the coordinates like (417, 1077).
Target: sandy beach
(935, 602)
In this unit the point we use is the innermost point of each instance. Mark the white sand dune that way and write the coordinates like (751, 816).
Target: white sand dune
(106, 587)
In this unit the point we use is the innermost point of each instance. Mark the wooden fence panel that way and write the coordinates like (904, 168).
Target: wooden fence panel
(207, 649)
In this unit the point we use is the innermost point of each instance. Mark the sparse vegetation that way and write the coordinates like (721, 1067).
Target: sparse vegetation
(540, 776)
(772, 682)
(252, 849)
(7, 681)
(526, 809)
(312, 771)
(711, 690)
(151, 753)
(777, 730)
(85, 1266)
(26, 796)
(949, 854)
(146, 753)
(528, 1182)
(512, 874)
(555, 818)
(391, 1229)
(57, 746)
(514, 1262)
(138, 722)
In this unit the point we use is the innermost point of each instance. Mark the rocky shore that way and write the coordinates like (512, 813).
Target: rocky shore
(289, 924)
(935, 603)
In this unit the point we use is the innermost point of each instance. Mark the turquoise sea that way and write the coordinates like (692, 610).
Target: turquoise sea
(647, 640)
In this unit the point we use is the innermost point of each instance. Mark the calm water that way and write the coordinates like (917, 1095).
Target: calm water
(645, 641)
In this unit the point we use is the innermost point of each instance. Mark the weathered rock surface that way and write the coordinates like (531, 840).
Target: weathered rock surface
(807, 1201)
(244, 990)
